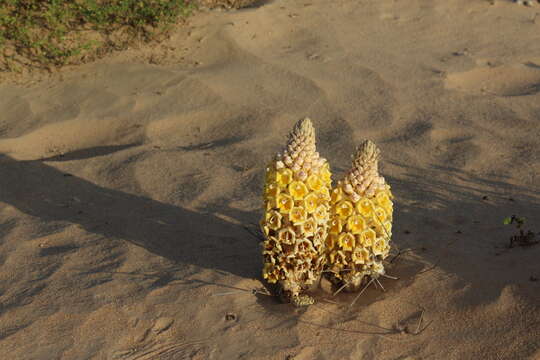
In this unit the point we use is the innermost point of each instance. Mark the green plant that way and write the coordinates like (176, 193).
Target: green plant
(523, 238)
(41, 33)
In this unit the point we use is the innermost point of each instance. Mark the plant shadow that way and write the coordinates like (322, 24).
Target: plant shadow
(456, 218)
(175, 233)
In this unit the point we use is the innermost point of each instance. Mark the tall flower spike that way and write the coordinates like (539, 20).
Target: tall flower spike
(362, 202)
(296, 212)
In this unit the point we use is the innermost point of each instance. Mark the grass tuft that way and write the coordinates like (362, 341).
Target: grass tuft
(52, 33)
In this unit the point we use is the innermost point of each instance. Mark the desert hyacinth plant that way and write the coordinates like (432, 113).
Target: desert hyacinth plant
(296, 214)
(361, 222)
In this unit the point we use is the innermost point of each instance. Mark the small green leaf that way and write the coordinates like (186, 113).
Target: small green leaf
(507, 221)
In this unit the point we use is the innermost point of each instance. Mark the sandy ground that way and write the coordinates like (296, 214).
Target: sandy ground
(126, 185)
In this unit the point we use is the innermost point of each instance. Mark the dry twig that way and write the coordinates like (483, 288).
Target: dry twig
(361, 292)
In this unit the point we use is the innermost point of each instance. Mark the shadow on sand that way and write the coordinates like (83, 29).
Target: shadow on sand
(454, 215)
(178, 234)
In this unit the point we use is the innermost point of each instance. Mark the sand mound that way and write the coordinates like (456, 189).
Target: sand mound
(502, 80)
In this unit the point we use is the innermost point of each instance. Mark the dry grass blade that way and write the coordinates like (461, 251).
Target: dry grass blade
(361, 292)
(379, 283)
(252, 291)
(331, 301)
(341, 288)
(382, 226)
(400, 252)
(390, 277)
(417, 331)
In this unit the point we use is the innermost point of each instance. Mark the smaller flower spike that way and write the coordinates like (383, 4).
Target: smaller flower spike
(360, 222)
(296, 212)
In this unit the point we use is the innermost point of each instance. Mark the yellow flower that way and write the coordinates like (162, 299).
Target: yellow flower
(337, 195)
(360, 255)
(368, 237)
(314, 182)
(273, 219)
(346, 241)
(304, 246)
(384, 229)
(323, 196)
(308, 228)
(326, 175)
(380, 215)
(286, 236)
(285, 203)
(344, 209)
(379, 246)
(326, 165)
(383, 199)
(271, 203)
(284, 177)
(297, 215)
(310, 202)
(272, 190)
(335, 226)
(320, 214)
(298, 190)
(356, 224)
(364, 207)
(388, 227)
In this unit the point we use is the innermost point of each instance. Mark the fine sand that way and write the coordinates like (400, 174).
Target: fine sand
(130, 188)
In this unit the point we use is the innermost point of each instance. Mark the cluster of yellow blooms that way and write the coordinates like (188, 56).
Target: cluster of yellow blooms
(295, 222)
(361, 222)
(309, 227)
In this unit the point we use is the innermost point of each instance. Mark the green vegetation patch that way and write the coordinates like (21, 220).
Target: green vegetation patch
(45, 33)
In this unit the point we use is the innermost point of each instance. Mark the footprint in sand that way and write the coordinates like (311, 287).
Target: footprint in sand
(506, 80)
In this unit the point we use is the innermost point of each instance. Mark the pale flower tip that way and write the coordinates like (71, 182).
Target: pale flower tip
(279, 164)
(304, 123)
(367, 152)
(288, 161)
(302, 175)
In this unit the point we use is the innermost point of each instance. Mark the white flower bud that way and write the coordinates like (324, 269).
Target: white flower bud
(287, 160)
